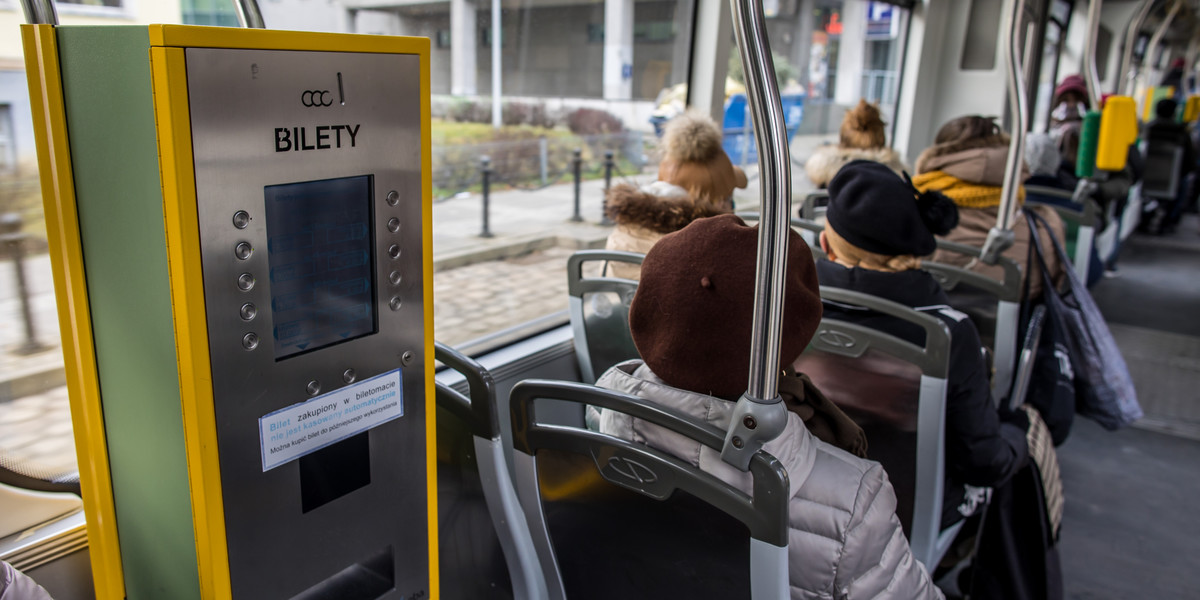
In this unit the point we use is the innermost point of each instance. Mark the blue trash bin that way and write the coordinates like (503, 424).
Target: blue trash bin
(738, 128)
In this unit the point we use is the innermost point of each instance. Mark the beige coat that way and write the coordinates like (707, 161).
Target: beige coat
(845, 542)
(828, 160)
(973, 227)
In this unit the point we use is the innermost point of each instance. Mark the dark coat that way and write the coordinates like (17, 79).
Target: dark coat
(980, 450)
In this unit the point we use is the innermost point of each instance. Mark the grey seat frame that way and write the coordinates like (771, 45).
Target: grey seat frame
(1008, 307)
(765, 512)
(1006, 292)
(578, 287)
(928, 542)
(479, 410)
(1087, 219)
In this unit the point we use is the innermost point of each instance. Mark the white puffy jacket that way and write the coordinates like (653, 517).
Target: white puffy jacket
(845, 540)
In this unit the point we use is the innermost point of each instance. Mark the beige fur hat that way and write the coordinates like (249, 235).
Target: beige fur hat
(694, 160)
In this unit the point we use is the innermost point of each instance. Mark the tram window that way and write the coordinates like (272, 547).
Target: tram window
(209, 12)
(828, 55)
(36, 436)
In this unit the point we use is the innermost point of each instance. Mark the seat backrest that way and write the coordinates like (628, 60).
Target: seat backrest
(615, 519)
(599, 308)
(484, 547)
(896, 391)
(994, 307)
(1160, 174)
(814, 205)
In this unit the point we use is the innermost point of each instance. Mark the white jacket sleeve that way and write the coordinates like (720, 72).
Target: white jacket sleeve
(876, 561)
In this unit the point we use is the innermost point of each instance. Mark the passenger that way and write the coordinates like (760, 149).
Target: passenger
(861, 138)
(1066, 123)
(691, 322)
(876, 228)
(695, 180)
(967, 164)
(15, 585)
(1165, 130)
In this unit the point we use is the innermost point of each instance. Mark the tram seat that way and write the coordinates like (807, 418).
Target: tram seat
(994, 306)
(1161, 172)
(895, 391)
(599, 309)
(1081, 223)
(814, 205)
(484, 548)
(615, 519)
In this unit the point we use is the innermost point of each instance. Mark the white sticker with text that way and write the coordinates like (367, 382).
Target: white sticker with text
(292, 432)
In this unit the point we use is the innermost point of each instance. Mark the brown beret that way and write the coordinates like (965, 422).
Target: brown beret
(693, 310)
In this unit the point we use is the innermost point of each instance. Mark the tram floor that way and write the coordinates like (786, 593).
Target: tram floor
(1129, 525)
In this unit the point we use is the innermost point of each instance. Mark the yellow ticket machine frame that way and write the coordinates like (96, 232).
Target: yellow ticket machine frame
(241, 235)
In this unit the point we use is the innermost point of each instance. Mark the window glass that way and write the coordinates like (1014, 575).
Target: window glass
(828, 55)
(35, 420)
(577, 84)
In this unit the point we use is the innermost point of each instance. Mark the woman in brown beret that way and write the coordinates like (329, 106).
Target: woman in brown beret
(691, 320)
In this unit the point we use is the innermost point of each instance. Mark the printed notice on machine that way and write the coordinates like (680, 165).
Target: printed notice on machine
(292, 432)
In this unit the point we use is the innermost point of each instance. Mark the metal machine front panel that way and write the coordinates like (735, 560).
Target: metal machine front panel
(324, 146)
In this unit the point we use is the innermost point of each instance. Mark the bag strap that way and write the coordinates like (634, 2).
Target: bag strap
(1058, 248)
(1035, 246)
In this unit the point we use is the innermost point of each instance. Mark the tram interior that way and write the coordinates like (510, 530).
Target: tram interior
(519, 182)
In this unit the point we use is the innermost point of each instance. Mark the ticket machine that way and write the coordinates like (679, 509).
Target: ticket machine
(241, 241)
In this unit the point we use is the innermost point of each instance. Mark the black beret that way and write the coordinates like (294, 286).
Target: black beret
(693, 311)
(874, 209)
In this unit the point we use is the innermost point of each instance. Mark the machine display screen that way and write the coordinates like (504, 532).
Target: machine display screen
(320, 252)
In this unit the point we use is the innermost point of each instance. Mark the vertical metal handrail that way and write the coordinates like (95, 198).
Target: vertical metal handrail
(1125, 78)
(39, 12)
(759, 416)
(248, 14)
(1001, 236)
(1091, 76)
(1156, 39)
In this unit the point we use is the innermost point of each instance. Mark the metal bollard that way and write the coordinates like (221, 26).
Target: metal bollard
(12, 238)
(608, 170)
(485, 172)
(543, 150)
(577, 167)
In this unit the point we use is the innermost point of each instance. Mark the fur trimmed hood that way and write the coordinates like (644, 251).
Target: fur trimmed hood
(660, 207)
(828, 160)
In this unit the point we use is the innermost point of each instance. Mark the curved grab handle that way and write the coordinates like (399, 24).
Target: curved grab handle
(1001, 236)
(760, 416)
(39, 12)
(248, 14)
(480, 401)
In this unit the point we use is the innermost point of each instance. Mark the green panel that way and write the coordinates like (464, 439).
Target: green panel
(114, 152)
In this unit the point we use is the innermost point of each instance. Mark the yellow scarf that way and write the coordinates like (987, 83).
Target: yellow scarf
(964, 193)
